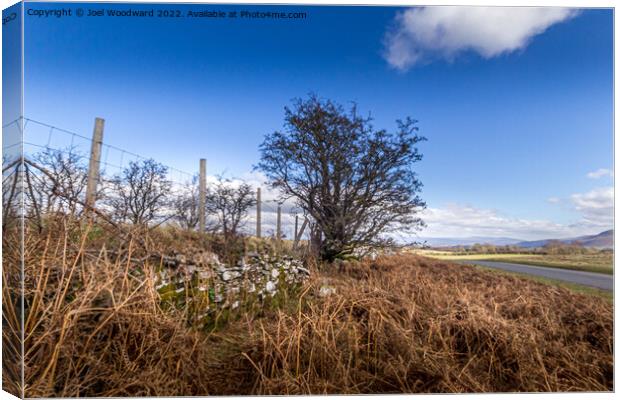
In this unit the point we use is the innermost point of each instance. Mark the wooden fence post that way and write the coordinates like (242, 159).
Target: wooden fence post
(258, 207)
(301, 232)
(279, 224)
(296, 225)
(95, 159)
(202, 196)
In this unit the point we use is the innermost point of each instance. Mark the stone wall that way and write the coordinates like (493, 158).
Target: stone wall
(204, 285)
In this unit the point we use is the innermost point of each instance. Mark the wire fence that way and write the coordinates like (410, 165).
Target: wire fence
(36, 139)
(42, 136)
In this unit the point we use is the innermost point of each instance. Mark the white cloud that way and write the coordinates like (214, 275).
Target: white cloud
(425, 33)
(553, 200)
(457, 220)
(595, 209)
(599, 173)
(596, 206)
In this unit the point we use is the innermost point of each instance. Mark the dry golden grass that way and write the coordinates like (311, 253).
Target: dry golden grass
(408, 324)
(402, 324)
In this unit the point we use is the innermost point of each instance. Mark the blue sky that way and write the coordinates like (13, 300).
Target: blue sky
(517, 108)
(11, 79)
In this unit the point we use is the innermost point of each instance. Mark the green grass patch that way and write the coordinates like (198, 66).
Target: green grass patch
(605, 294)
(596, 262)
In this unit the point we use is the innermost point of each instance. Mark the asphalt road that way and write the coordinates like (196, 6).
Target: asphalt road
(593, 279)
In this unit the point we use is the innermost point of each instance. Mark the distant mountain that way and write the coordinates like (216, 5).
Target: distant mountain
(468, 241)
(602, 240)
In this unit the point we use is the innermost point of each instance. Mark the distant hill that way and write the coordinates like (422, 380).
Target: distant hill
(469, 241)
(602, 240)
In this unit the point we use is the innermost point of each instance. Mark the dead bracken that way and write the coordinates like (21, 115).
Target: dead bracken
(400, 324)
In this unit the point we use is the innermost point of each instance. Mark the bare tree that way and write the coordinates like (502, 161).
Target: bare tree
(186, 205)
(230, 203)
(12, 178)
(68, 175)
(140, 193)
(356, 182)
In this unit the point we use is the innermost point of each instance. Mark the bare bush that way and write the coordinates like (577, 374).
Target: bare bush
(140, 193)
(230, 203)
(11, 189)
(68, 176)
(186, 205)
